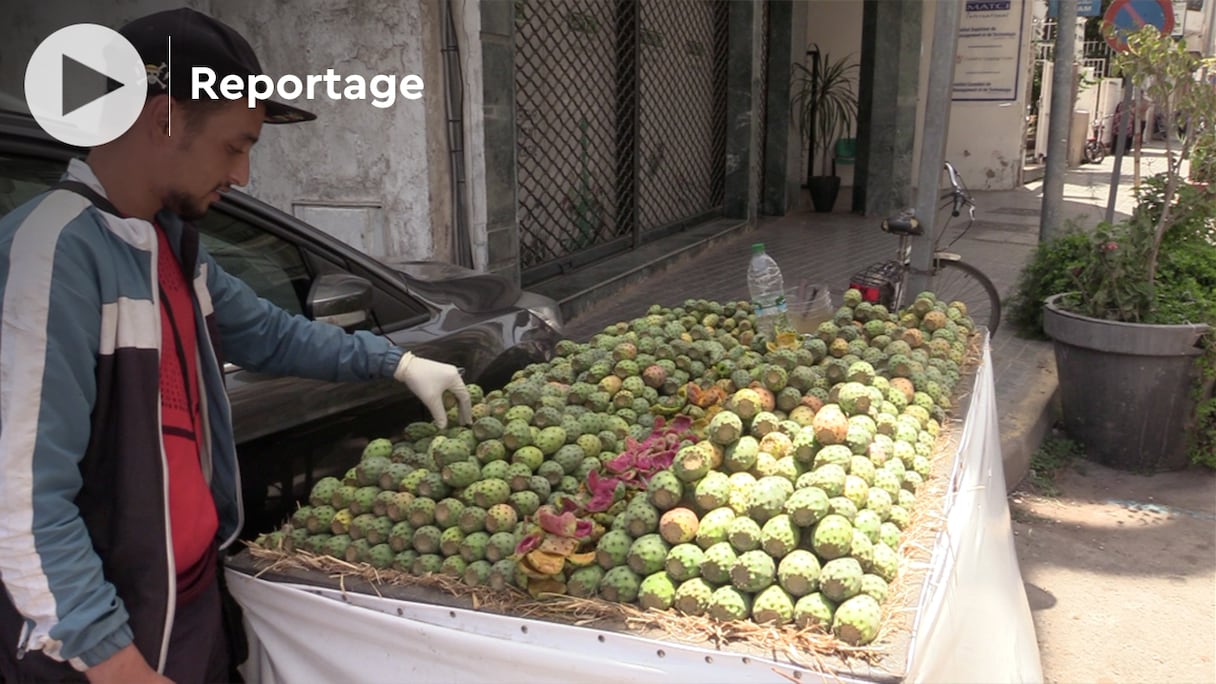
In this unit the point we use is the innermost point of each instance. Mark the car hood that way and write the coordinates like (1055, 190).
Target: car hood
(472, 291)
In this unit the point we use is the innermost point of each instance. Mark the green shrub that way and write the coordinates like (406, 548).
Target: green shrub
(1055, 454)
(1049, 271)
(1108, 264)
(1203, 433)
(1203, 158)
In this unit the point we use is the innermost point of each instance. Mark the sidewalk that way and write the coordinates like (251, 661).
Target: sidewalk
(829, 248)
(1120, 569)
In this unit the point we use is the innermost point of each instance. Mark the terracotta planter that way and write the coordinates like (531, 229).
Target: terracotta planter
(1125, 388)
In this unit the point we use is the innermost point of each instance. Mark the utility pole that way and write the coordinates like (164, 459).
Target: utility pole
(1061, 120)
(1117, 143)
(938, 100)
(1210, 38)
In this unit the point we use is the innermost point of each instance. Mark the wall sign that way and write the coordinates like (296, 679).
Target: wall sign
(1085, 8)
(988, 63)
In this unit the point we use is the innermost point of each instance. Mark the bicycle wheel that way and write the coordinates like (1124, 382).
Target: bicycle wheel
(958, 281)
(1094, 153)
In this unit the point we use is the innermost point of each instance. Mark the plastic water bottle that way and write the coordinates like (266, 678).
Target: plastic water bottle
(767, 290)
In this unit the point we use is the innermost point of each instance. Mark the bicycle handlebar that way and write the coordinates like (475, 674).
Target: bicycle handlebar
(959, 195)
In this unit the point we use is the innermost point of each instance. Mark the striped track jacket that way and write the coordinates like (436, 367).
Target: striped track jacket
(85, 555)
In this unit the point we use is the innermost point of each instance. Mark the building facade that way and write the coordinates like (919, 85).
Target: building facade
(554, 134)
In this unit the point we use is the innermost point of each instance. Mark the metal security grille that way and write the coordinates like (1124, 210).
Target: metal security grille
(682, 110)
(621, 117)
(566, 127)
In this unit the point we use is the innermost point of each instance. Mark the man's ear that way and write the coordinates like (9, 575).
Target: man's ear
(157, 111)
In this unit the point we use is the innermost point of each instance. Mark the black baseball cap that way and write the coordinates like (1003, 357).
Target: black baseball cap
(197, 40)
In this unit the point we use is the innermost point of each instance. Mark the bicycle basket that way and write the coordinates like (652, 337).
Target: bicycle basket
(877, 282)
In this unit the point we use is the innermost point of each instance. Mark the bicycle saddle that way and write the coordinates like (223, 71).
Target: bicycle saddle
(902, 224)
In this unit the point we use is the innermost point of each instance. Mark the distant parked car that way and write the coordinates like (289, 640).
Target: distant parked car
(290, 431)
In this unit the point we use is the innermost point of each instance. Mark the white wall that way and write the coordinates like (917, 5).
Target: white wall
(835, 26)
(1197, 28)
(356, 165)
(377, 178)
(986, 141)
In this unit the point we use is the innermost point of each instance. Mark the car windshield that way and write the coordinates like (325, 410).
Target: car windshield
(272, 267)
(22, 178)
(13, 103)
(432, 271)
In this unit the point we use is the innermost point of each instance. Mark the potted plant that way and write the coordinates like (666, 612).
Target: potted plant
(825, 105)
(1129, 358)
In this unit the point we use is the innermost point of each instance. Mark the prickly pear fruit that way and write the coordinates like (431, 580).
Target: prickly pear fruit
(840, 579)
(679, 525)
(647, 554)
(620, 584)
(684, 562)
(754, 571)
(773, 605)
(719, 559)
(814, 609)
(798, 572)
(832, 537)
(856, 620)
(728, 603)
(657, 591)
(693, 596)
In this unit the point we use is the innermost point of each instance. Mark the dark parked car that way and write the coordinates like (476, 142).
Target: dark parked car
(291, 431)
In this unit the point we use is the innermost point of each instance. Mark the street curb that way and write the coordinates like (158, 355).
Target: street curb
(578, 292)
(1027, 424)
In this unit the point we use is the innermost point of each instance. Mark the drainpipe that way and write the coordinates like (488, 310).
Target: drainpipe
(453, 105)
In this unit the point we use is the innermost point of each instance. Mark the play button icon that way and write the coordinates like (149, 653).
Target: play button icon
(85, 84)
(82, 84)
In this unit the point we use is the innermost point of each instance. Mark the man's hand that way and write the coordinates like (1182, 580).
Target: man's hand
(428, 380)
(125, 666)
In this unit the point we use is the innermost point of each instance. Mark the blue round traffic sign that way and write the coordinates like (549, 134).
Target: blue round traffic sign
(1128, 16)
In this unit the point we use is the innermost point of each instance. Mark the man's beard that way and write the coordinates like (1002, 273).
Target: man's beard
(186, 207)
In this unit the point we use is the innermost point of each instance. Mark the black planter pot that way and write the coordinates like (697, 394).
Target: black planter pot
(824, 190)
(1125, 388)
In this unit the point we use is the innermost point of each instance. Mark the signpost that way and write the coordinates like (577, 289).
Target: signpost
(1124, 17)
(1128, 16)
(1062, 93)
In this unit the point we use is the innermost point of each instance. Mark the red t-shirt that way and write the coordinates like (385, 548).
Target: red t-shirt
(192, 517)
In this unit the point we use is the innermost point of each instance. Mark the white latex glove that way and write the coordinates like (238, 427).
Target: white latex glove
(428, 380)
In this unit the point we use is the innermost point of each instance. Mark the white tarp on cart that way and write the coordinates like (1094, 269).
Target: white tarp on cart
(973, 623)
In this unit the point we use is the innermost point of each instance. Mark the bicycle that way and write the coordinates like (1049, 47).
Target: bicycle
(950, 278)
(1095, 150)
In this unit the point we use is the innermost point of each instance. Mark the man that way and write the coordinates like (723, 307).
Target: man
(118, 472)
(1124, 126)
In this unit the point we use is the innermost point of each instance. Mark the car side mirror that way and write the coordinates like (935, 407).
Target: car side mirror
(341, 299)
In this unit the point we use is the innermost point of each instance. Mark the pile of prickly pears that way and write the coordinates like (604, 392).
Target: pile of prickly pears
(679, 461)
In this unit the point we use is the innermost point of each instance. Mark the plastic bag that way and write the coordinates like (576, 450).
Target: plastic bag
(809, 306)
